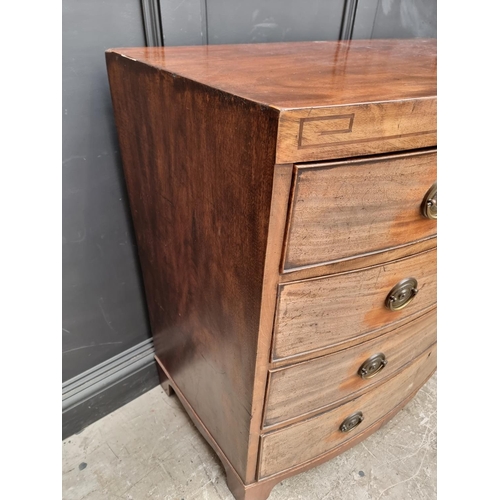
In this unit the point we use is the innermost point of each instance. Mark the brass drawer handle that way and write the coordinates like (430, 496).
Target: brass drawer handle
(429, 207)
(401, 294)
(352, 421)
(373, 365)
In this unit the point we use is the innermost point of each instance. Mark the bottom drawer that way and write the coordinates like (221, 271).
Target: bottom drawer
(311, 438)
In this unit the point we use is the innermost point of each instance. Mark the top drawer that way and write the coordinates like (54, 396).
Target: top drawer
(353, 208)
(366, 128)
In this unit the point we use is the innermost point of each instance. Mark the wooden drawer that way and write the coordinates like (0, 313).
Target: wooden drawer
(286, 448)
(299, 389)
(323, 312)
(353, 208)
(325, 133)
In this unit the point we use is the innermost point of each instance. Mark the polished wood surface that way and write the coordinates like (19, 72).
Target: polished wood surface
(200, 200)
(212, 139)
(318, 313)
(363, 96)
(311, 438)
(325, 351)
(358, 262)
(329, 380)
(304, 74)
(279, 205)
(347, 209)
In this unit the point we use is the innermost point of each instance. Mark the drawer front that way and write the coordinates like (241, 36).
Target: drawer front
(324, 312)
(299, 389)
(347, 209)
(286, 448)
(322, 133)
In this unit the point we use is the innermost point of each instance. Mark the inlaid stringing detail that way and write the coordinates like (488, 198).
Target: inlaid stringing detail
(348, 120)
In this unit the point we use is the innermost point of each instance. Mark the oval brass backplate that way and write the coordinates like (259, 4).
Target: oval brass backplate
(372, 366)
(401, 294)
(351, 422)
(429, 207)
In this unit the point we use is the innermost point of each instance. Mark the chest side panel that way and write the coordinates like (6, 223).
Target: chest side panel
(199, 169)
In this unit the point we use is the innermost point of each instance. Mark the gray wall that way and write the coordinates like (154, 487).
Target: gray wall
(104, 314)
(103, 304)
(195, 22)
(395, 19)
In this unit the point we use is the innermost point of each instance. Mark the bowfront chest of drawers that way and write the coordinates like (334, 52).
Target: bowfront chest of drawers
(284, 202)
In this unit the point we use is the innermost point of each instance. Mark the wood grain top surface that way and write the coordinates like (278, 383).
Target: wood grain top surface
(304, 74)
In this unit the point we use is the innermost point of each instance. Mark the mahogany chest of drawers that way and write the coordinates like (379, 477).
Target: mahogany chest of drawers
(284, 201)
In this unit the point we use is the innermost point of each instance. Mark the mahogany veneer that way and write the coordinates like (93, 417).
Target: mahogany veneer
(269, 280)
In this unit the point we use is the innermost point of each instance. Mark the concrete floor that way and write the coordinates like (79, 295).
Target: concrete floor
(149, 449)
